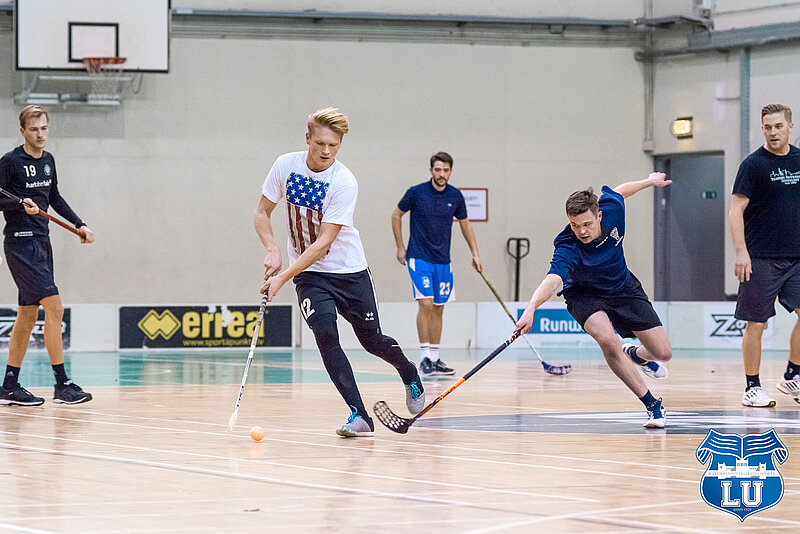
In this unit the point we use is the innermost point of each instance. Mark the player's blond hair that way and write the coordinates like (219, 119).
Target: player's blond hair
(31, 112)
(769, 109)
(329, 118)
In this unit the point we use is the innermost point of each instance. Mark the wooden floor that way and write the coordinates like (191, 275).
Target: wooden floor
(511, 450)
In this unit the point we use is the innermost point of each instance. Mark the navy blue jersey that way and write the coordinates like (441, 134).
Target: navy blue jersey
(598, 266)
(432, 215)
(772, 217)
(27, 177)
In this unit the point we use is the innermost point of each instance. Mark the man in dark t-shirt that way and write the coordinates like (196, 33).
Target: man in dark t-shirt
(433, 205)
(29, 172)
(764, 218)
(602, 294)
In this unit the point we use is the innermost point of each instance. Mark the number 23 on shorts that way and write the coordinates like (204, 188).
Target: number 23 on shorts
(444, 288)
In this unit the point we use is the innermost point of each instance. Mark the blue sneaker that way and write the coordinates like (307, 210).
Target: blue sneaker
(656, 415)
(356, 427)
(415, 396)
(442, 368)
(426, 367)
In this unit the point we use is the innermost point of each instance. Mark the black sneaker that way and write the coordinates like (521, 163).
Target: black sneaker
(442, 369)
(426, 367)
(19, 396)
(70, 393)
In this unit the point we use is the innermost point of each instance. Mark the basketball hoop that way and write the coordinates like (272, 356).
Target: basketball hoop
(105, 75)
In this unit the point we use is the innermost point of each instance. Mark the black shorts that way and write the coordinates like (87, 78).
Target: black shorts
(629, 310)
(351, 295)
(770, 278)
(30, 260)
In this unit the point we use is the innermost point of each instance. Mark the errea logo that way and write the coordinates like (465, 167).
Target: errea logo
(164, 324)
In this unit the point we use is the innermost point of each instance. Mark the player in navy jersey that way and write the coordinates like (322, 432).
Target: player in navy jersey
(328, 265)
(29, 172)
(764, 219)
(602, 294)
(433, 205)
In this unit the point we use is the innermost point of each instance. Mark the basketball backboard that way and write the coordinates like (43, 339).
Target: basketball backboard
(58, 34)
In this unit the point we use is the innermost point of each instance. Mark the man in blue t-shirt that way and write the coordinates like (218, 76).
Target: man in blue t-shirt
(602, 294)
(433, 205)
(764, 218)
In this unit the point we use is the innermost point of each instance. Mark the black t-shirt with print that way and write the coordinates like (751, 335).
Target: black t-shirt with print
(27, 177)
(772, 217)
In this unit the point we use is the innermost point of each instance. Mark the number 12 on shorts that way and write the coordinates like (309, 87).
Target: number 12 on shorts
(306, 309)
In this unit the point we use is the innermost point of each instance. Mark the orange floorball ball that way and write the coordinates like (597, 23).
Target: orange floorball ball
(257, 433)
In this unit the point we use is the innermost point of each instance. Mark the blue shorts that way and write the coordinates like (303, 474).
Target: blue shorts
(431, 280)
(770, 278)
(30, 260)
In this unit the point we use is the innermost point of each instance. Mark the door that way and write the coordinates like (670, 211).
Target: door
(690, 227)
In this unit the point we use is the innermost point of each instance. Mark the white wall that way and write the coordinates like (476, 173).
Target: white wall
(707, 88)
(169, 182)
(730, 14)
(608, 9)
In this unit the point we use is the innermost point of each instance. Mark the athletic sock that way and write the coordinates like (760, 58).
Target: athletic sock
(434, 353)
(424, 351)
(792, 370)
(647, 399)
(60, 374)
(753, 381)
(636, 359)
(12, 377)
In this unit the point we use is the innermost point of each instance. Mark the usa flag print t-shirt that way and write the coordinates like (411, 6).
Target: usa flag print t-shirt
(313, 198)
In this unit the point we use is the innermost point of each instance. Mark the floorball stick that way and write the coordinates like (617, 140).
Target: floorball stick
(398, 424)
(548, 368)
(42, 213)
(232, 420)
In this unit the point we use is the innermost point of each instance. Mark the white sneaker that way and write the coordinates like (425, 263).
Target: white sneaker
(652, 369)
(757, 397)
(415, 396)
(356, 427)
(790, 387)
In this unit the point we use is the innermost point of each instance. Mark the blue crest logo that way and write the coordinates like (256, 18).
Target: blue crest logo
(741, 478)
(47, 169)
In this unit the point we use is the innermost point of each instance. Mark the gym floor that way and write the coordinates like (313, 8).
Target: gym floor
(511, 450)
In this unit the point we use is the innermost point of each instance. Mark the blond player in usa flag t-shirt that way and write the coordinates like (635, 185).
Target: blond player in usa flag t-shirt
(327, 261)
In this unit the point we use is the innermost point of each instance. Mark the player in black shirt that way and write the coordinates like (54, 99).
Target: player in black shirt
(764, 219)
(29, 172)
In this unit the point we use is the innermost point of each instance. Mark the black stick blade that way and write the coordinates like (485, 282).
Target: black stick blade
(391, 420)
(557, 369)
